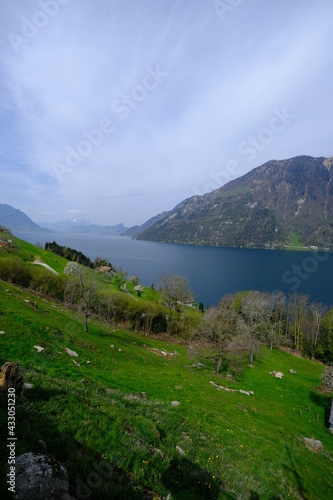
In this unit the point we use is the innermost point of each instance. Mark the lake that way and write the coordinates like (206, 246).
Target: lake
(212, 271)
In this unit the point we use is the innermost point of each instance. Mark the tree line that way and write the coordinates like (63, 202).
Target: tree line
(243, 322)
(69, 254)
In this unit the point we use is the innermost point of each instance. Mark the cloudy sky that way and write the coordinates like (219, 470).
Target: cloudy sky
(119, 109)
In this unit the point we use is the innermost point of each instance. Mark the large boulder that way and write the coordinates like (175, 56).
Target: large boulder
(39, 477)
(8, 376)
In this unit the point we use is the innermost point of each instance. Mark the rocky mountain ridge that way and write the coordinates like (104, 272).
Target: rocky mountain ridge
(264, 208)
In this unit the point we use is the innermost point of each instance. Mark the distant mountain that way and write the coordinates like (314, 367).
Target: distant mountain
(265, 208)
(83, 226)
(15, 220)
(136, 230)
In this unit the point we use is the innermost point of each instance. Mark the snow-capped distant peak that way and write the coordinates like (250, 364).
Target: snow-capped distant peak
(81, 221)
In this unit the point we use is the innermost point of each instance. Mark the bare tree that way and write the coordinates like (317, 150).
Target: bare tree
(317, 312)
(80, 289)
(253, 323)
(175, 291)
(297, 311)
(277, 321)
(219, 327)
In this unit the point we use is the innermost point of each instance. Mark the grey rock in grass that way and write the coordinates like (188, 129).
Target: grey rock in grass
(175, 403)
(39, 477)
(39, 348)
(180, 451)
(313, 444)
(331, 418)
(71, 353)
(292, 371)
(76, 363)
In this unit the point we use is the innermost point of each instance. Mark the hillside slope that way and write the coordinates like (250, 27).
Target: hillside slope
(96, 415)
(263, 208)
(16, 220)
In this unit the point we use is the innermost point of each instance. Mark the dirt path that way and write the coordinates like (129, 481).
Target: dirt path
(38, 262)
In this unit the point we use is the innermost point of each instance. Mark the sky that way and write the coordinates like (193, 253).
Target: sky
(116, 110)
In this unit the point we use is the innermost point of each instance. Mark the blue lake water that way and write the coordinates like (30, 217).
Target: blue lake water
(212, 272)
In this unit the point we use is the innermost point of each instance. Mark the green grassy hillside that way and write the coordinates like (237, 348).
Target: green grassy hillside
(94, 417)
(29, 253)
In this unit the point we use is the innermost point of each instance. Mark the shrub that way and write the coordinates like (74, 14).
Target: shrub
(14, 271)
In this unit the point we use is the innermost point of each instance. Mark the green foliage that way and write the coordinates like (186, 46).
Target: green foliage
(93, 417)
(69, 254)
(119, 281)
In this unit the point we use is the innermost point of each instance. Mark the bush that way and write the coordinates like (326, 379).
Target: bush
(14, 271)
(53, 285)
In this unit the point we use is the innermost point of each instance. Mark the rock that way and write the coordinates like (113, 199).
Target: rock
(119, 350)
(39, 348)
(156, 451)
(2, 332)
(27, 386)
(71, 353)
(180, 451)
(164, 353)
(83, 380)
(221, 388)
(175, 403)
(39, 477)
(278, 374)
(112, 346)
(313, 444)
(292, 371)
(9, 376)
(251, 392)
(88, 362)
(76, 363)
(331, 418)
(244, 392)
